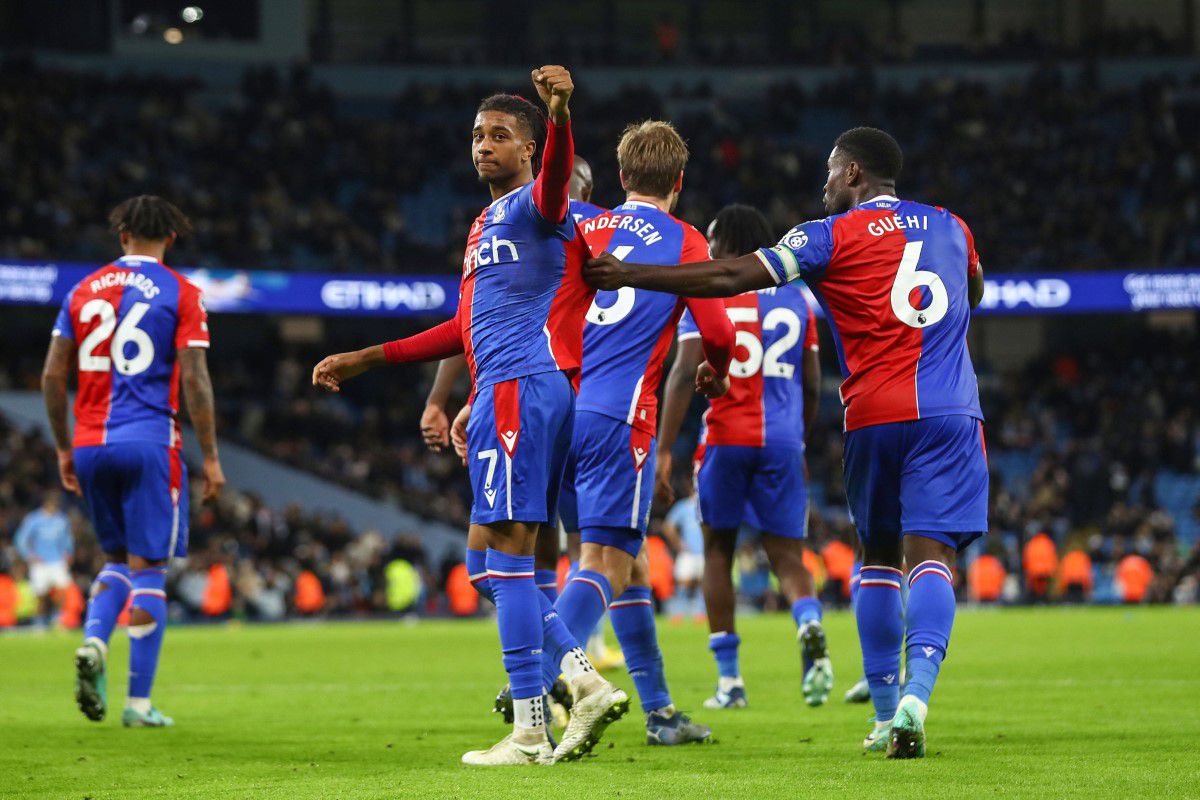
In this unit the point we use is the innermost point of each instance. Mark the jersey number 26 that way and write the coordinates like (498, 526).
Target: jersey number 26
(127, 333)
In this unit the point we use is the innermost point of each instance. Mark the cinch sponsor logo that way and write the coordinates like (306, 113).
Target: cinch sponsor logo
(491, 251)
(383, 295)
(1041, 293)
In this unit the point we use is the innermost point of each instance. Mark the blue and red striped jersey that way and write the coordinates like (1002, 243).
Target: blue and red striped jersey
(129, 319)
(891, 276)
(629, 331)
(581, 210)
(765, 402)
(522, 298)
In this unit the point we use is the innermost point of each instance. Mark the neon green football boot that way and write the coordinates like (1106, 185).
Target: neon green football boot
(908, 729)
(91, 682)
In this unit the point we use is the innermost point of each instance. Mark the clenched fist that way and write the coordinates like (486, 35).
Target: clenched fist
(554, 86)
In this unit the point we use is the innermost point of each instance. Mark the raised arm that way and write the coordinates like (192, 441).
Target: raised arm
(201, 406)
(551, 189)
(55, 374)
(975, 285)
(721, 278)
(716, 332)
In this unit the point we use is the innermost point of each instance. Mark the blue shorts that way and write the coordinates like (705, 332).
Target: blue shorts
(136, 495)
(517, 442)
(926, 477)
(609, 482)
(760, 486)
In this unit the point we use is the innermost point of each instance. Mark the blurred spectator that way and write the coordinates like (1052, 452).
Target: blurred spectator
(44, 541)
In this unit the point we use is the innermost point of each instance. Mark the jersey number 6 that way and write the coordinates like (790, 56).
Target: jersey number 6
(625, 297)
(908, 278)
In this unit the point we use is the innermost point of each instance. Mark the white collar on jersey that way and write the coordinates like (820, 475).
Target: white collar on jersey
(640, 203)
(881, 198)
(144, 259)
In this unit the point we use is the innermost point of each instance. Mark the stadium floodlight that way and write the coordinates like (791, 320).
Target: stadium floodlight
(192, 14)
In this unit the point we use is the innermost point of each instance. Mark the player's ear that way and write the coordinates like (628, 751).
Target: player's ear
(621, 174)
(170, 240)
(853, 173)
(530, 149)
(678, 187)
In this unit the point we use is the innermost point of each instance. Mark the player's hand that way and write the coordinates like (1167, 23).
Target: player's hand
(66, 472)
(333, 370)
(708, 384)
(554, 86)
(664, 492)
(214, 479)
(435, 428)
(458, 433)
(605, 271)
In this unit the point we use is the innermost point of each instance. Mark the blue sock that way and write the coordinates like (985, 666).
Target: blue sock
(477, 572)
(547, 583)
(804, 610)
(572, 569)
(583, 601)
(632, 616)
(518, 615)
(854, 578)
(145, 641)
(109, 592)
(557, 642)
(725, 648)
(880, 615)
(930, 617)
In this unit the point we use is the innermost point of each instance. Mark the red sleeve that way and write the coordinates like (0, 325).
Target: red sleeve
(972, 256)
(695, 246)
(192, 330)
(716, 331)
(551, 189)
(810, 334)
(432, 345)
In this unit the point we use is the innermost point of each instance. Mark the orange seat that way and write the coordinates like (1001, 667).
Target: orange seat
(8, 602)
(460, 594)
(662, 567)
(985, 578)
(218, 592)
(1134, 574)
(1076, 570)
(1040, 561)
(310, 595)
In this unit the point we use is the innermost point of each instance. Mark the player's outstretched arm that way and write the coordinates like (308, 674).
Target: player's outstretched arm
(198, 393)
(721, 278)
(55, 375)
(551, 189)
(437, 343)
(677, 396)
(435, 425)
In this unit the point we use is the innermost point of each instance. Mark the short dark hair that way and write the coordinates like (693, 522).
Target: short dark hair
(149, 217)
(742, 229)
(528, 116)
(873, 150)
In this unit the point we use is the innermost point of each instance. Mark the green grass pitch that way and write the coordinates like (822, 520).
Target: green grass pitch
(1032, 703)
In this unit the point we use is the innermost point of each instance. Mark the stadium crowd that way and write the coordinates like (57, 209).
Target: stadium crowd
(387, 186)
(1078, 444)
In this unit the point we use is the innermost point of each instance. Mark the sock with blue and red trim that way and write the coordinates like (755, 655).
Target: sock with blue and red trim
(145, 640)
(477, 573)
(109, 593)
(547, 583)
(880, 615)
(583, 602)
(931, 607)
(632, 616)
(518, 616)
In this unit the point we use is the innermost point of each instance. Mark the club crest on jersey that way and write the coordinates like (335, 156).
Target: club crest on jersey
(796, 240)
(499, 214)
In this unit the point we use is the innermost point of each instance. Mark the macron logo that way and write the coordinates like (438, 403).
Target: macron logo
(639, 456)
(490, 494)
(510, 441)
(890, 678)
(929, 651)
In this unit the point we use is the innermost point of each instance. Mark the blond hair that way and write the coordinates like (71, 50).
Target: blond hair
(651, 155)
